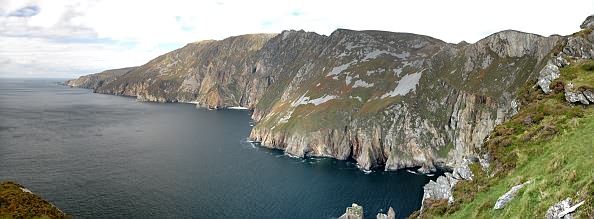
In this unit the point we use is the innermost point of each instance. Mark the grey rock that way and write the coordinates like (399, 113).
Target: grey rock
(463, 171)
(588, 23)
(353, 212)
(546, 76)
(574, 96)
(589, 95)
(554, 212)
(579, 47)
(508, 196)
(559, 61)
(390, 215)
(485, 164)
(440, 189)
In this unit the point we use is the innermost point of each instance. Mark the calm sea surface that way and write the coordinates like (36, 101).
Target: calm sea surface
(103, 156)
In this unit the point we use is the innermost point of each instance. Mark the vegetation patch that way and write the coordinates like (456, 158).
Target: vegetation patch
(15, 202)
(549, 141)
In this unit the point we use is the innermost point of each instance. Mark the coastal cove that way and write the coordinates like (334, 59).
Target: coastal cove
(97, 155)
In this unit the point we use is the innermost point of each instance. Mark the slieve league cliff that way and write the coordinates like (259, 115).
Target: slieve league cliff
(387, 100)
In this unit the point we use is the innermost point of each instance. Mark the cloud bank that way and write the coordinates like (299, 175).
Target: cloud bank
(69, 38)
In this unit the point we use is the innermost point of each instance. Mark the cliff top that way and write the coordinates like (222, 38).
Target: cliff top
(18, 202)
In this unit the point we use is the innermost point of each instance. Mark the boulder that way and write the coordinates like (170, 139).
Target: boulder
(508, 196)
(562, 209)
(391, 214)
(589, 95)
(462, 171)
(353, 212)
(574, 96)
(549, 73)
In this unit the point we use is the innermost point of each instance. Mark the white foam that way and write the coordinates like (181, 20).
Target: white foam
(26, 190)
(237, 108)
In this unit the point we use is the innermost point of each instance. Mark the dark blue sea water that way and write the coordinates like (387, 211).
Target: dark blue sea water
(102, 156)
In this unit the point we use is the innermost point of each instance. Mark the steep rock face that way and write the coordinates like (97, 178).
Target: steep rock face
(211, 73)
(95, 81)
(396, 100)
(387, 100)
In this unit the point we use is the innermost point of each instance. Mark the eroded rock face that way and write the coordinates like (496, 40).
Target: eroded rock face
(387, 100)
(440, 189)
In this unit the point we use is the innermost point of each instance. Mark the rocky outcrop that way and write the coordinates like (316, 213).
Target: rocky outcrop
(588, 23)
(562, 210)
(390, 214)
(508, 196)
(353, 212)
(547, 75)
(440, 189)
(574, 96)
(356, 212)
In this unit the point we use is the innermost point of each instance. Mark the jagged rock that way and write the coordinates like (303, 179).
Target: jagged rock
(463, 171)
(353, 212)
(588, 23)
(559, 61)
(440, 189)
(574, 96)
(562, 210)
(509, 195)
(391, 214)
(549, 73)
(579, 47)
(485, 164)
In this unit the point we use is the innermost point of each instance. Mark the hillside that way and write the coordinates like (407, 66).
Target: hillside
(545, 150)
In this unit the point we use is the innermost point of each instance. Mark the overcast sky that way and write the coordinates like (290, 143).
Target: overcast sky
(69, 38)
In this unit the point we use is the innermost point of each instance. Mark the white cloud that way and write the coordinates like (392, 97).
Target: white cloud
(80, 37)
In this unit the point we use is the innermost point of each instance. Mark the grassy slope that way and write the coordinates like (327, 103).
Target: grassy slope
(549, 142)
(15, 203)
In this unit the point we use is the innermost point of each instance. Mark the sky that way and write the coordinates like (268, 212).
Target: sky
(70, 38)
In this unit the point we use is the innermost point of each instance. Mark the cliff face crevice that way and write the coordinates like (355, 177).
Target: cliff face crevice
(387, 100)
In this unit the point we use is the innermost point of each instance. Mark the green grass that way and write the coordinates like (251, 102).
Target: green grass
(585, 71)
(549, 142)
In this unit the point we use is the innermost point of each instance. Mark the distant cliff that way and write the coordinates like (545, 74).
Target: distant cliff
(387, 100)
